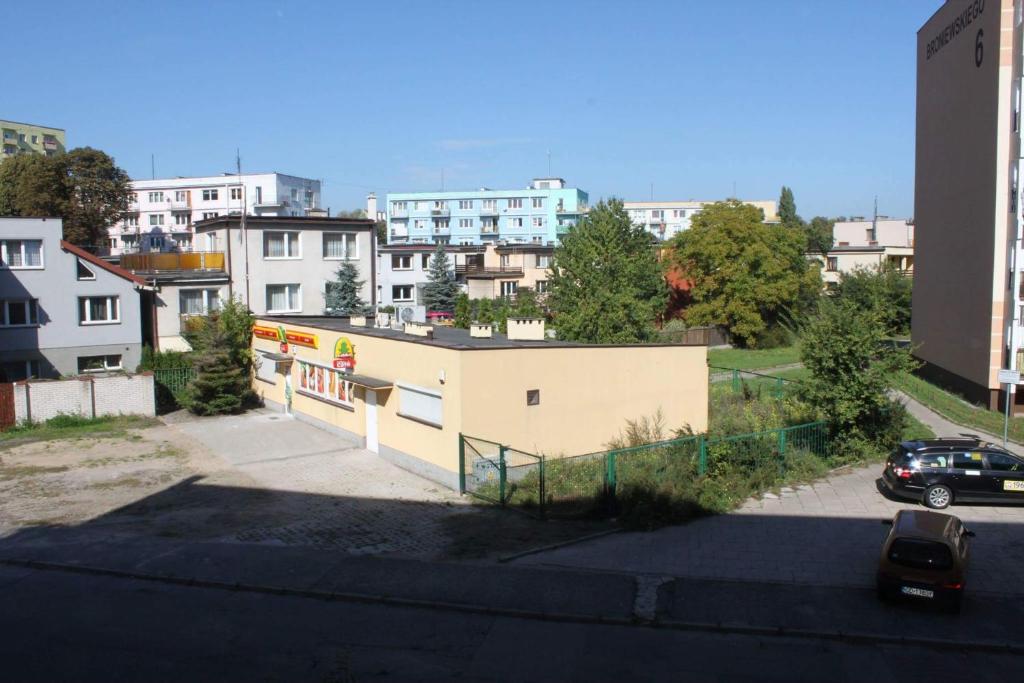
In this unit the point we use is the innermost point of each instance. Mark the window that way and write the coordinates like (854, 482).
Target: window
(465, 203)
(35, 138)
(266, 369)
(281, 245)
(465, 222)
(541, 286)
(538, 202)
(515, 203)
(259, 194)
(533, 397)
(488, 225)
(440, 205)
(19, 313)
(97, 310)
(132, 221)
(83, 271)
(426, 261)
(295, 194)
(509, 287)
(538, 221)
(181, 219)
(156, 219)
(236, 193)
(400, 262)
(420, 404)
(833, 264)
(420, 224)
(179, 195)
(490, 204)
(418, 206)
(283, 299)
(678, 213)
(210, 195)
(1004, 463)
(209, 214)
(325, 384)
(543, 260)
(21, 253)
(515, 222)
(16, 371)
(933, 461)
(968, 461)
(657, 214)
(156, 242)
(441, 223)
(920, 554)
(340, 245)
(156, 196)
(401, 293)
(99, 363)
(398, 206)
(505, 260)
(198, 301)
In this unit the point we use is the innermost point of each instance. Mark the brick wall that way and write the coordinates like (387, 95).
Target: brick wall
(92, 396)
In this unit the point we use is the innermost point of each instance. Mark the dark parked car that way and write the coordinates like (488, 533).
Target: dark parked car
(924, 558)
(939, 472)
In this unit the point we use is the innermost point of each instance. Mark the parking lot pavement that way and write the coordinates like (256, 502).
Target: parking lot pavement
(826, 534)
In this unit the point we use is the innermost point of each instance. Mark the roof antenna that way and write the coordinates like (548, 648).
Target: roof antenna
(152, 166)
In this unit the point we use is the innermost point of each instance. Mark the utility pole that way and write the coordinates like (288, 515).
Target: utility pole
(152, 166)
(442, 180)
(549, 163)
(874, 222)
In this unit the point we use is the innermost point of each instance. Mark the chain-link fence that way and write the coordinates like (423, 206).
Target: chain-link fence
(739, 380)
(591, 485)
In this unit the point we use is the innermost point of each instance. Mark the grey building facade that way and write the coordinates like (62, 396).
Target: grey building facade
(63, 311)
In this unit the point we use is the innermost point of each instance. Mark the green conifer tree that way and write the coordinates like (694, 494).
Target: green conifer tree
(342, 295)
(440, 291)
(463, 314)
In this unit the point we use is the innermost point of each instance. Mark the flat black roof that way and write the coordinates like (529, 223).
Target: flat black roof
(312, 222)
(444, 337)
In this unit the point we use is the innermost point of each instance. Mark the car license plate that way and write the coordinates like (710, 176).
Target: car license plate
(1013, 485)
(917, 592)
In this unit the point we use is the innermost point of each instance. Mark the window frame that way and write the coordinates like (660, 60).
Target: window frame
(399, 258)
(303, 379)
(5, 251)
(211, 194)
(515, 203)
(537, 202)
(113, 306)
(347, 238)
(105, 368)
(30, 306)
(208, 294)
(235, 193)
(403, 300)
(286, 285)
(287, 244)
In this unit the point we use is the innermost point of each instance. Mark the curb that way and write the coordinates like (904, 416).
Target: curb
(557, 617)
(556, 546)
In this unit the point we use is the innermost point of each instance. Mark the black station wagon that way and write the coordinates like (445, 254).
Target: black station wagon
(939, 472)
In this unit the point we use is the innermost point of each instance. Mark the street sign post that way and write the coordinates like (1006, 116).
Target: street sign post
(1011, 378)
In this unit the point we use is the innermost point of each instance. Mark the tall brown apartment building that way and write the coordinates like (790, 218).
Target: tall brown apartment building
(967, 208)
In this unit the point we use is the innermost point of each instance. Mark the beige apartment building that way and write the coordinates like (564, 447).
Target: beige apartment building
(30, 138)
(967, 208)
(408, 393)
(868, 243)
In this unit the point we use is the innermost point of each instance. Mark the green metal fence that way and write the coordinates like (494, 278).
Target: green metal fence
(738, 379)
(589, 485)
(169, 383)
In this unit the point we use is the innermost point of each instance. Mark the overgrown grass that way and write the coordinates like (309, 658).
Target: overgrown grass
(753, 359)
(955, 409)
(73, 426)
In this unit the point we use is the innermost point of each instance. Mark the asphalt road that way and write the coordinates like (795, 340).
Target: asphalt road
(66, 626)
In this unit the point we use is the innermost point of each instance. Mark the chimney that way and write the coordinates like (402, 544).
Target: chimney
(371, 206)
(481, 331)
(526, 329)
(357, 320)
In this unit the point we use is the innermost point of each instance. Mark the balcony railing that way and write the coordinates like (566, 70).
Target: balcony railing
(49, 144)
(489, 211)
(173, 261)
(492, 271)
(440, 212)
(178, 205)
(399, 213)
(133, 207)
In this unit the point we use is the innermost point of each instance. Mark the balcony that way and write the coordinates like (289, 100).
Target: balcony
(133, 207)
(129, 228)
(399, 213)
(489, 211)
(50, 144)
(473, 270)
(174, 262)
(179, 205)
(440, 212)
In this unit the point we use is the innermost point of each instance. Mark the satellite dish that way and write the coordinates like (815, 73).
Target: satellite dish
(407, 315)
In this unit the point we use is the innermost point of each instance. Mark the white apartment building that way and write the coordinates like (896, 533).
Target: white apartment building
(665, 219)
(162, 212)
(867, 243)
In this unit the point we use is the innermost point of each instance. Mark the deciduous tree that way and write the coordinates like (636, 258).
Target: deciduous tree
(745, 274)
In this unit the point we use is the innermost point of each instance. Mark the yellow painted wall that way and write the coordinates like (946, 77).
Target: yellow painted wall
(586, 394)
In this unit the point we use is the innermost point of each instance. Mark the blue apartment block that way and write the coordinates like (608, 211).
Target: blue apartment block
(539, 214)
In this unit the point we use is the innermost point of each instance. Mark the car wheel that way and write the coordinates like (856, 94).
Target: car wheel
(938, 497)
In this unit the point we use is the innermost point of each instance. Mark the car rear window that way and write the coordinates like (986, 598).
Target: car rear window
(920, 554)
(900, 455)
(933, 460)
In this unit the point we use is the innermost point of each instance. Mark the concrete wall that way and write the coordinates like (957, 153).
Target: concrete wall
(59, 338)
(586, 394)
(88, 396)
(962, 191)
(888, 232)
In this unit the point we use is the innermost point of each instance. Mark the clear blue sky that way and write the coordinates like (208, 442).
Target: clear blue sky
(381, 96)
